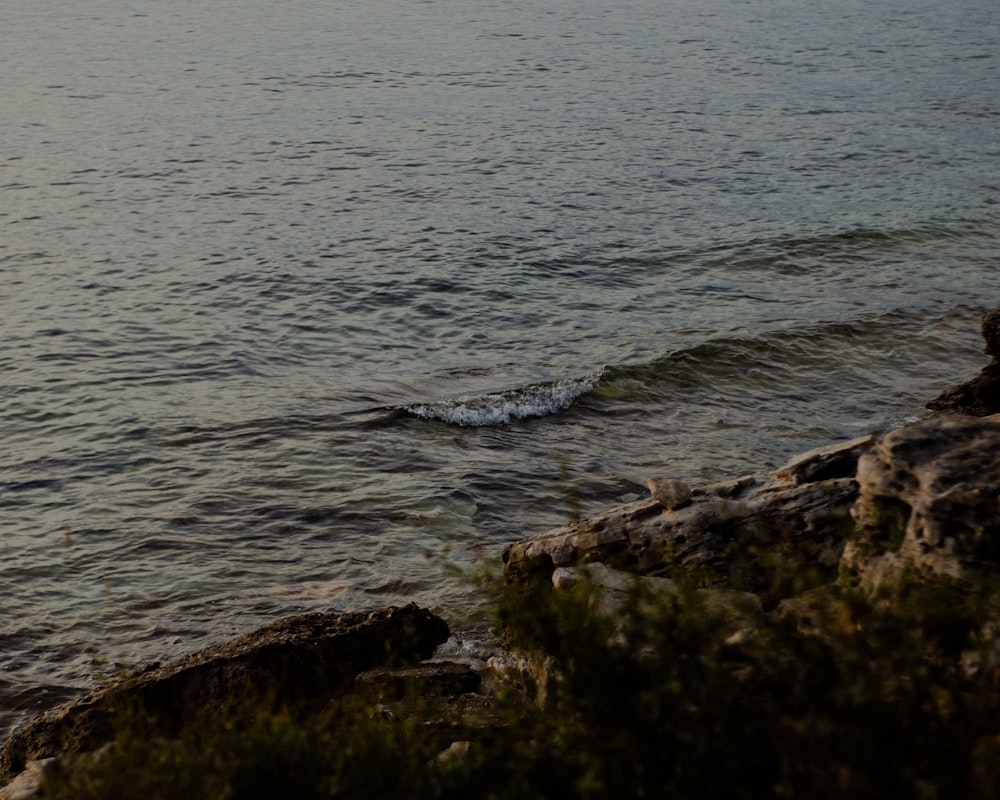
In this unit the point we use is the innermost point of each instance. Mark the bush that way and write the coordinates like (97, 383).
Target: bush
(884, 698)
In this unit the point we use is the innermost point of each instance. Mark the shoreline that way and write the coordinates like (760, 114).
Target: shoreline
(858, 513)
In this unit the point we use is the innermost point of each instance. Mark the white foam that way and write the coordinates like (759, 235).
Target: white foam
(498, 408)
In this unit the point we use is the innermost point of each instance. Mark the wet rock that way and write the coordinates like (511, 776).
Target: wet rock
(929, 499)
(981, 396)
(297, 663)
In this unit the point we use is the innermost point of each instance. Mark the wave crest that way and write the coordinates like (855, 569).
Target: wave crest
(499, 408)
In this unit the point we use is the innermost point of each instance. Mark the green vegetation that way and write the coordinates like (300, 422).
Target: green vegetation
(896, 696)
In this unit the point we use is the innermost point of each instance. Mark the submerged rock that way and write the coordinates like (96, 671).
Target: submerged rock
(929, 498)
(981, 396)
(295, 663)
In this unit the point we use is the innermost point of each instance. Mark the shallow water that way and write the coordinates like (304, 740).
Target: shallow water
(305, 309)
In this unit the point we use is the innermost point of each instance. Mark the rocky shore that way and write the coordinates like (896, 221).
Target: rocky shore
(918, 504)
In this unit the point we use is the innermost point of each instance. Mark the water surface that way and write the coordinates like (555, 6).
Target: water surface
(305, 307)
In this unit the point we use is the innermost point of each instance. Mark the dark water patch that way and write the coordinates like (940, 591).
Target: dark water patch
(31, 485)
(262, 428)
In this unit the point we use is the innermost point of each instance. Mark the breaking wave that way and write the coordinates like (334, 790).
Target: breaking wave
(498, 408)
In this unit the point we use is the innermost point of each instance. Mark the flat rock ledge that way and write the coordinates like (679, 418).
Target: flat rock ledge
(299, 662)
(802, 511)
(924, 497)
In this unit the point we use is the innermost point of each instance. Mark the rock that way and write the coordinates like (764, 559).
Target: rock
(632, 536)
(929, 498)
(441, 679)
(615, 580)
(730, 488)
(564, 578)
(29, 783)
(448, 699)
(838, 460)
(815, 611)
(991, 333)
(981, 396)
(739, 610)
(719, 532)
(669, 492)
(297, 663)
(530, 675)
(453, 752)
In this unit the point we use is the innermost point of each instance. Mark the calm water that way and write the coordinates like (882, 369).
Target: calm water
(306, 303)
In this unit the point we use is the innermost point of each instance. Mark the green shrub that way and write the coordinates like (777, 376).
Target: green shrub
(655, 699)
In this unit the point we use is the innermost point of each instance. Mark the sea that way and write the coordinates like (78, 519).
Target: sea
(318, 305)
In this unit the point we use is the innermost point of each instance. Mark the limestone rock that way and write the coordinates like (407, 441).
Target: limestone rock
(730, 488)
(28, 784)
(838, 460)
(298, 662)
(564, 578)
(981, 396)
(669, 492)
(719, 531)
(929, 497)
(612, 583)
